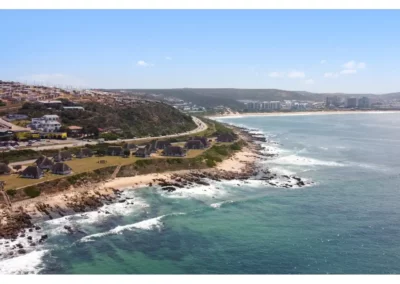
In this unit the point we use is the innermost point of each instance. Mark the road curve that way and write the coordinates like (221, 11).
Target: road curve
(201, 126)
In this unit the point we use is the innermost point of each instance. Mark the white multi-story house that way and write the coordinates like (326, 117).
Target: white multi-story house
(46, 123)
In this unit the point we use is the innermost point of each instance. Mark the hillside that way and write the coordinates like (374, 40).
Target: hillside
(230, 97)
(136, 119)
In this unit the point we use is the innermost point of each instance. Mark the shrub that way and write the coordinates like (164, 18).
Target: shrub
(32, 191)
(236, 147)
(127, 153)
(210, 163)
(11, 192)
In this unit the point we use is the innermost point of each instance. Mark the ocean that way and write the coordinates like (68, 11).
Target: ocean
(346, 222)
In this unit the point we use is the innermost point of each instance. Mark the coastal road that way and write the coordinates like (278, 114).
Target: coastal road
(201, 126)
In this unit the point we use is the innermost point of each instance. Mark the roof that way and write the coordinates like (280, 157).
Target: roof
(60, 167)
(130, 146)
(51, 115)
(32, 171)
(174, 150)
(43, 161)
(191, 143)
(62, 155)
(200, 138)
(74, 127)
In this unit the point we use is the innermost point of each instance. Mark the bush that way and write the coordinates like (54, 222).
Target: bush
(32, 191)
(127, 153)
(236, 147)
(210, 163)
(11, 192)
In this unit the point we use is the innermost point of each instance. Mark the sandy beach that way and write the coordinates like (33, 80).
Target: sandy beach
(233, 115)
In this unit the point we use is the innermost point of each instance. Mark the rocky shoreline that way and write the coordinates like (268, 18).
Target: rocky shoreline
(19, 222)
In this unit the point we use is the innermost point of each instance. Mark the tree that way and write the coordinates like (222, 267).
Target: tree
(127, 152)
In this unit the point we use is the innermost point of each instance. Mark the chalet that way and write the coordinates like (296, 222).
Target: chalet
(62, 156)
(4, 169)
(115, 151)
(130, 146)
(84, 153)
(32, 172)
(194, 144)
(175, 151)
(160, 145)
(225, 137)
(44, 163)
(203, 140)
(143, 152)
(61, 169)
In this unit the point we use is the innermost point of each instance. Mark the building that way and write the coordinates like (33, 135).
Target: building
(160, 144)
(351, 102)
(44, 163)
(84, 153)
(75, 131)
(4, 169)
(130, 146)
(225, 137)
(46, 123)
(142, 152)
(62, 156)
(194, 144)
(32, 172)
(202, 139)
(364, 102)
(73, 108)
(175, 151)
(333, 101)
(115, 151)
(61, 169)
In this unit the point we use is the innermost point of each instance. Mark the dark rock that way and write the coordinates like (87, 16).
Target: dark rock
(21, 251)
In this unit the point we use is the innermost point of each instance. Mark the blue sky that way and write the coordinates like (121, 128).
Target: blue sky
(321, 51)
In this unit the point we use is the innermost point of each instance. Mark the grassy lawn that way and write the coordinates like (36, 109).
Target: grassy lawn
(90, 164)
(14, 181)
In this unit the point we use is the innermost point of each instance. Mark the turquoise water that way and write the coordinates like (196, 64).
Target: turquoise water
(348, 222)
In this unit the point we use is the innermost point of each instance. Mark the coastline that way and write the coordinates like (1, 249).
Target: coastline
(238, 115)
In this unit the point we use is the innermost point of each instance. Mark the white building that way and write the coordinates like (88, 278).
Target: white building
(46, 123)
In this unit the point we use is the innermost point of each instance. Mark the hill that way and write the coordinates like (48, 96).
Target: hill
(135, 119)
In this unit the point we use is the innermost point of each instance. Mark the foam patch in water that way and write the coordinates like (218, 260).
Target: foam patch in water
(30, 263)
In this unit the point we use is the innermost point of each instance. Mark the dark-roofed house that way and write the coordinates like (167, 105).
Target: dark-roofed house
(225, 137)
(115, 151)
(203, 140)
(143, 152)
(160, 145)
(194, 144)
(44, 163)
(130, 146)
(84, 153)
(32, 172)
(175, 151)
(4, 169)
(61, 169)
(62, 156)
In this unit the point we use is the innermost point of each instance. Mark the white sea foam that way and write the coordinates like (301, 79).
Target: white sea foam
(148, 224)
(197, 192)
(219, 204)
(303, 161)
(30, 263)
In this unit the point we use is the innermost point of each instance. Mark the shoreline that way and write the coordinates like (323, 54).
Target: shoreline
(299, 113)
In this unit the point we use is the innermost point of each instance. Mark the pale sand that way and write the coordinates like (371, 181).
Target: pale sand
(298, 113)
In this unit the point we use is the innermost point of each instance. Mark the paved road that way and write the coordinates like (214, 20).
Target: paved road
(201, 126)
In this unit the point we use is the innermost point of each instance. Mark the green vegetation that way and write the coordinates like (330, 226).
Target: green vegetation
(128, 120)
(2, 103)
(11, 192)
(32, 191)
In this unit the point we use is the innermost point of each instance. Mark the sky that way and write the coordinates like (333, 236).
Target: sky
(353, 51)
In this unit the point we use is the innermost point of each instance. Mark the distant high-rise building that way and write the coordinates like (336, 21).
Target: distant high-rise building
(351, 102)
(363, 102)
(332, 101)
